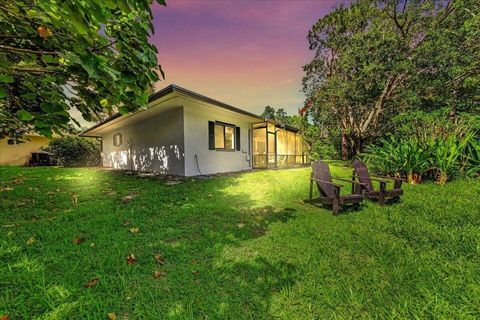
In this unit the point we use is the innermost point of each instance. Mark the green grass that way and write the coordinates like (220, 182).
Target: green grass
(235, 247)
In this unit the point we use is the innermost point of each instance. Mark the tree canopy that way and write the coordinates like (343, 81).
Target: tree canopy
(56, 55)
(375, 59)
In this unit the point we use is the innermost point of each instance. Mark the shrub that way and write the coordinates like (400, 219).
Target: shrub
(471, 159)
(439, 145)
(74, 151)
(399, 157)
(446, 155)
(414, 159)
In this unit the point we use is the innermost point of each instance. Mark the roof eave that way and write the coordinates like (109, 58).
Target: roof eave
(174, 88)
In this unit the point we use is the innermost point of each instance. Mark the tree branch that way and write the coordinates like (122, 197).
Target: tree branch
(103, 47)
(34, 70)
(22, 50)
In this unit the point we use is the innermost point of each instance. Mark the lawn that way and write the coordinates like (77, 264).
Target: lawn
(242, 246)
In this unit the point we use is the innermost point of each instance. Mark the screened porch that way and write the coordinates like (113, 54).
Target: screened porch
(276, 146)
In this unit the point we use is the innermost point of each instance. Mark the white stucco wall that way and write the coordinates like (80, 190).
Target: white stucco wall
(154, 144)
(196, 117)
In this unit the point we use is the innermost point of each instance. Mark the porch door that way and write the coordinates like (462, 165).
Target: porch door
(272, 150)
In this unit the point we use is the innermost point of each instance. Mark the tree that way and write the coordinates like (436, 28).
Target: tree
(268, 113)
(373, 60)
(56, 55)
(451, 54)
(281, 116)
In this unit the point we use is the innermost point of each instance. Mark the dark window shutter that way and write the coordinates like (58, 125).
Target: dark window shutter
(211, 135)
(237, 138)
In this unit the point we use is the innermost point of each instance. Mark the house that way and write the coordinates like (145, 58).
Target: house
(21, 153)
(185, 133)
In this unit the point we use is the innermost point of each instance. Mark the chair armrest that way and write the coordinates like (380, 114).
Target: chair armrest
(371, 179)
(391, 178)
(327, 182)
(350, 181)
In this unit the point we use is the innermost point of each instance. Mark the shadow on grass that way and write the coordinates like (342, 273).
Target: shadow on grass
(197, 226)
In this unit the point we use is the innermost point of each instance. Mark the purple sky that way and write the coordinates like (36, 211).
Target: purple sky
(245, 53)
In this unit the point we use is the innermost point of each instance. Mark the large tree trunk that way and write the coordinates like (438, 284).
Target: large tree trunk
(357, 146)
(344, 146)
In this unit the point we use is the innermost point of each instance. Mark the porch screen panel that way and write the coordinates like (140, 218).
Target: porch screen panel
(282, 148)
(259, 148)
(271, 150)
(291, 148)
(298, 149)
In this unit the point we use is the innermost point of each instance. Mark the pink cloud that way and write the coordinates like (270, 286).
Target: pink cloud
(246, 53)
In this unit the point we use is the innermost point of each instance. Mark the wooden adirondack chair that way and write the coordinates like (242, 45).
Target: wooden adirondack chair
(383, 195)
(329, 191)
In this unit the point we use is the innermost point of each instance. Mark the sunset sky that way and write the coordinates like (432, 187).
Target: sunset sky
(245, 53)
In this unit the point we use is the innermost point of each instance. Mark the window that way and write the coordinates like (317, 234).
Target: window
(223, 136)
(229, 138)
(219, 137)
(117, 139)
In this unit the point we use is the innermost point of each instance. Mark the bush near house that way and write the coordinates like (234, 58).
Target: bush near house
(74, 151)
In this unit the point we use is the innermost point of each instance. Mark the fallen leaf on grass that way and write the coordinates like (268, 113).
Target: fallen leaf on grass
(92, 282)
(110, 193)
(30, 241)
(16, 225)
(4, 317)
(78, 240)
(17, 181)
(134, 230)
(92, 244)
(5, 189)
(128, 198)
(159, 259)
(131, 259)
(20, 204)
(112, 316)
(158, 274)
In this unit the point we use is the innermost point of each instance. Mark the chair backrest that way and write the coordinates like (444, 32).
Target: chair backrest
(322, 172)
(361, 171)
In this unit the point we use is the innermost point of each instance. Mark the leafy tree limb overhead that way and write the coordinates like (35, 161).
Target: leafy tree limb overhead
(55, 55)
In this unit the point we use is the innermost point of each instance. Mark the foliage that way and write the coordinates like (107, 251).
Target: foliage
(424, 125)
(75, 151)
(472, 158)
(442, 156)
(446, 155)
(399, 157)
(268, 113)
(59, 55)
(376, 59)
(281, 116)
(233, 247)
